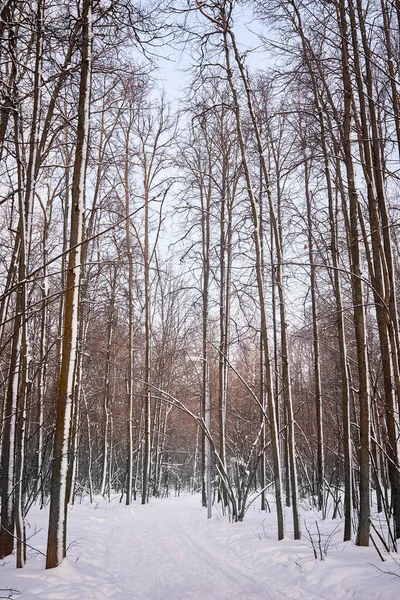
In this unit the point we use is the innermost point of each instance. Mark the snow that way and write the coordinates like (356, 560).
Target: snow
(169, 550)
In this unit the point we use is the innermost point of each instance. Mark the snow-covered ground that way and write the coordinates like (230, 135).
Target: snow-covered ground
(168, 550)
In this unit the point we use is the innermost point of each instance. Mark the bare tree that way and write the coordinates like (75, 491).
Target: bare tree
(56, 544)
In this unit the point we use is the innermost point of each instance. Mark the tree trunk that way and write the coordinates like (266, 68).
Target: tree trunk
(358, 297)
(56, 543)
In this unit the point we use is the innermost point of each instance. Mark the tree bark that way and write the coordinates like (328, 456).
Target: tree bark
(56, 543)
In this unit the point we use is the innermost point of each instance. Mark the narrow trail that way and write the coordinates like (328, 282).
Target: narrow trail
(169, 551)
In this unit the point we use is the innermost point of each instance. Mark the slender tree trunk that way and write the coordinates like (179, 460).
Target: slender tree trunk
(131, 356)
(8, 449)
(147, 389)
(316, 344)
(24, 228)
(358, 296)
(205, 198)
(107, 389)
(223, 320)
(42, 374)
(56, 544)
(90, 447)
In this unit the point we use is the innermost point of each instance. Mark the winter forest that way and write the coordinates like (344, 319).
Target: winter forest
(199, 286)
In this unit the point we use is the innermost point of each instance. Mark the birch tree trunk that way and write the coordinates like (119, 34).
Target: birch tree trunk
(147, 326)
(56, 543)
(8, 448)
(131, 356)
(107, 387)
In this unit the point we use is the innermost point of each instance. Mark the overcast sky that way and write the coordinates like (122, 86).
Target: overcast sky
(174, 63)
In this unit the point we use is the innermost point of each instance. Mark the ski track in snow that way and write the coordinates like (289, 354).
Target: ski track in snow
(164, 560)
(168, 554)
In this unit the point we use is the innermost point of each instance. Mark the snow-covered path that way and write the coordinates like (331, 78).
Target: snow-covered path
(171, 554)
(168, 550)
